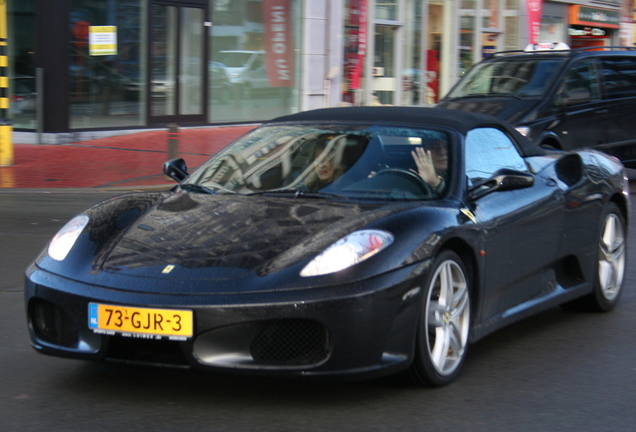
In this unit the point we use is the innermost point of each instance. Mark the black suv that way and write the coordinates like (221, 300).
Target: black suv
(558, 97)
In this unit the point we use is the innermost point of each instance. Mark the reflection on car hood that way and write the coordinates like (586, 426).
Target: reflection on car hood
(507, 108)
(261, 234)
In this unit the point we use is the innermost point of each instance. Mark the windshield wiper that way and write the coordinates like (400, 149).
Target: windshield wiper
(198, 189)
(297, 193)
(479, 95)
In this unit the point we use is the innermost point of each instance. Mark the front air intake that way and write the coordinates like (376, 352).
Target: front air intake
(291, 342)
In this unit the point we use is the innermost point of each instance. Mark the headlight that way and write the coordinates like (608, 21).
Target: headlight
(350, 250)
(65, 238)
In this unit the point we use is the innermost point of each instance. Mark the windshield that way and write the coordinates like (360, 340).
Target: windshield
(366, 162)
(524, 78)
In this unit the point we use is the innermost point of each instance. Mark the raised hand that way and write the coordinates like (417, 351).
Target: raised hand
(425, 168)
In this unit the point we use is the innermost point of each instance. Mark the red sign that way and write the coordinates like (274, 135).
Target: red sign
(534, 19)
(80, 33)
(359, 31)
(279, 49)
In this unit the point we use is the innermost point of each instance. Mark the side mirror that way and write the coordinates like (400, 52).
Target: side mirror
(176, 169)
(502, 180)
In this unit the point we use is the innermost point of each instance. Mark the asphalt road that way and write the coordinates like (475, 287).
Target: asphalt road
(559, 371)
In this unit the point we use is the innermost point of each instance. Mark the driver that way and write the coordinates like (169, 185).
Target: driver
(432, 164)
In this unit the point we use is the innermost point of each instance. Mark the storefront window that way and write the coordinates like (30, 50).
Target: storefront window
(412, 74)
(386, 10)
(511, 24)
(106, 79)
(253, 72)
(21, 36)
(466, 35)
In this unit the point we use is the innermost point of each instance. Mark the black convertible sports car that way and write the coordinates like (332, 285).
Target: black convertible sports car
(346, 241)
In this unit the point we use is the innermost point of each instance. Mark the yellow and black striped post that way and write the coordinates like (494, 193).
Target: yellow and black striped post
(6, 127)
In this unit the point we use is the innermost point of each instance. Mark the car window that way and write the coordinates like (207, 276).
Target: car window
(581, 82)
(619, 76)
(489, 150)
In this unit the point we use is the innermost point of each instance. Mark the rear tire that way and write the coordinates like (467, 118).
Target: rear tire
(442, 337)
(610, 265)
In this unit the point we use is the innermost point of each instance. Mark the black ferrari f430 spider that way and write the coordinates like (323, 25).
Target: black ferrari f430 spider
(345, 241)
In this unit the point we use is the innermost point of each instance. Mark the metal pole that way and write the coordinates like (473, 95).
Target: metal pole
(6, 127)
(173, 141)
(39, 107)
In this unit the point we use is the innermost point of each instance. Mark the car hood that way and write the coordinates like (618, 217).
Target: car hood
(182, 242)
(200, 231)
(508, 108)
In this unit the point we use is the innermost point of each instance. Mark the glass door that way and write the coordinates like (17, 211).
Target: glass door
(384, 70)
(177, 64)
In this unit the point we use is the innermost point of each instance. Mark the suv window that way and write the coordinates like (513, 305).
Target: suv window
(619, 74)
(489, 150)
(581, 83)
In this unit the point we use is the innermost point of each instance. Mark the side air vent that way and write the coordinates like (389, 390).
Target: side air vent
(52, 325)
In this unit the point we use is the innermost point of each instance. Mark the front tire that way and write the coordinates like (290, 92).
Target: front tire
(442, 339)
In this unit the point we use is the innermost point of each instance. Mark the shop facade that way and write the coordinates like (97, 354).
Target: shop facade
(80, 65)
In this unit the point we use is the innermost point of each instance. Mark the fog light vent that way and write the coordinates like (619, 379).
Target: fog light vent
(291, 342)
(52, 324)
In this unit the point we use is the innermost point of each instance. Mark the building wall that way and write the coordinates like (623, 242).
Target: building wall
(413, 52)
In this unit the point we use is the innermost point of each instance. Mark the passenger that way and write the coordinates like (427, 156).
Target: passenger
(327, 167)
(432, 165)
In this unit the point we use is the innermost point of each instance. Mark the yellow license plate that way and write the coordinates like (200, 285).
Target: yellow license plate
(140, 321)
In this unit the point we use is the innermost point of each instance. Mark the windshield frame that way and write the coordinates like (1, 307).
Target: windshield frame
(285, 149)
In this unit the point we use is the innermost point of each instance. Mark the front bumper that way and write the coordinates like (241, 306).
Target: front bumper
(365, 328)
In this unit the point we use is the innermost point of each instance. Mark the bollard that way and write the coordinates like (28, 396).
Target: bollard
(6, 127)
(173, 141)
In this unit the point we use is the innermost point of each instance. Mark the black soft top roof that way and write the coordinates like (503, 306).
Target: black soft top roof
(461, 121)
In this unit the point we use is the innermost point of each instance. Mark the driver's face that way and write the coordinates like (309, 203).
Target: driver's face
(440, 156)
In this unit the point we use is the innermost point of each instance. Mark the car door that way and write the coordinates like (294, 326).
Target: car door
(618, 75)
(582, 121)
(520, 229)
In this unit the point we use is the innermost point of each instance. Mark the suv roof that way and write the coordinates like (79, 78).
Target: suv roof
(559, 48)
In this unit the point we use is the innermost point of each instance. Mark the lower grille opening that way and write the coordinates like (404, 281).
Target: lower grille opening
(159, 352)
(291, 342)
(52, 325)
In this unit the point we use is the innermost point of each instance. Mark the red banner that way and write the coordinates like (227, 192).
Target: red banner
(358, 57)
(534, 19)
(279, 49)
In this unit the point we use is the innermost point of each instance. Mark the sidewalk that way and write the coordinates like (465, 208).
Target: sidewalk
(123, 161)
(130, 160)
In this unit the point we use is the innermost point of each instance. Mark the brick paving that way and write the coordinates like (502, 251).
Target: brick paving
(130, 160)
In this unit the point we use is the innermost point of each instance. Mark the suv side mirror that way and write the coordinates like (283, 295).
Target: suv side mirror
(502, 180)
(176, 169)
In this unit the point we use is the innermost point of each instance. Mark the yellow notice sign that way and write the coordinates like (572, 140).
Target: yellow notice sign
(102, 40)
